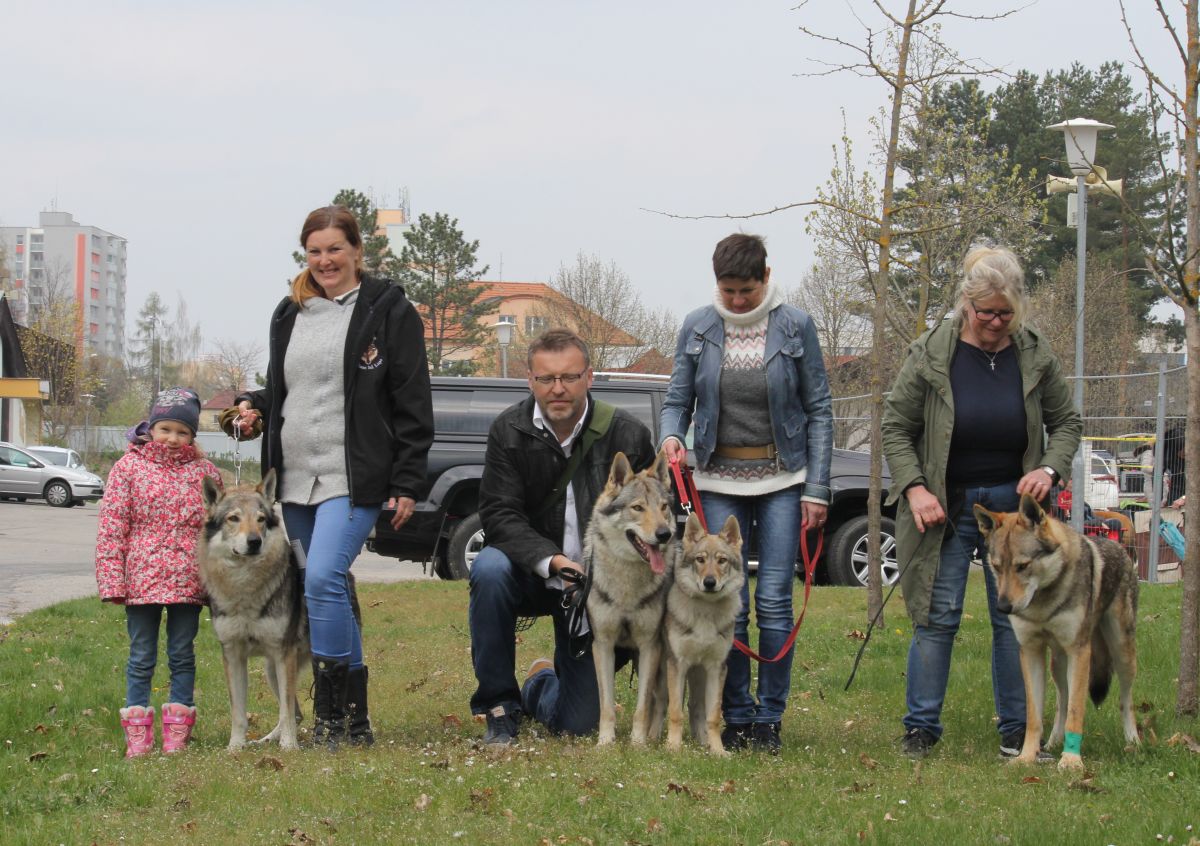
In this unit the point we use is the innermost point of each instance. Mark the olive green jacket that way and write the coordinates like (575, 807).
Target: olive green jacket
(918, 421)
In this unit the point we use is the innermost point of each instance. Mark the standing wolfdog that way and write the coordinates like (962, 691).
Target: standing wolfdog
(1076, 596)
(256, 594)
(629, 551)
(702, 604)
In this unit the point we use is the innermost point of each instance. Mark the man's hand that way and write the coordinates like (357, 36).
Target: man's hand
(246, 417)
(926, 509)
(561, 562)
(404, 508)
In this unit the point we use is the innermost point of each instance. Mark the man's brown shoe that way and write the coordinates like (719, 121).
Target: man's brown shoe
(537, 666)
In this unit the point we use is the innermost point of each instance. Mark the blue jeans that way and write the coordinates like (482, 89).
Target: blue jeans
(929, 652)
(565, 701)
(332, 533)
(142, 622)
(778, 533)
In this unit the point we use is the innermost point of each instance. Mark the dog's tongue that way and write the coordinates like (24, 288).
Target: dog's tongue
(657, 565)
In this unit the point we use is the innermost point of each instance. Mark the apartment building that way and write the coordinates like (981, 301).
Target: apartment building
(60, 259)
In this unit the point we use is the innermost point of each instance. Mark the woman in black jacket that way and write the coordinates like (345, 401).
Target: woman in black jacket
(349, 421)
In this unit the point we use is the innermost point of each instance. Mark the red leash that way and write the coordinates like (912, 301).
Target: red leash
(689, 497)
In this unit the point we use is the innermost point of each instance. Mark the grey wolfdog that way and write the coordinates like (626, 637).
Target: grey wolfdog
(256, 593)
(629, 550)
(1076, 596)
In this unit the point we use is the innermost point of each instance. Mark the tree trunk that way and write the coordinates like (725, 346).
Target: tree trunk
(1186, 703)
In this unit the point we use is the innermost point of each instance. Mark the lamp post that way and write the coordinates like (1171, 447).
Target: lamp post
(87, 428)
(1079, 136)
(504, 334)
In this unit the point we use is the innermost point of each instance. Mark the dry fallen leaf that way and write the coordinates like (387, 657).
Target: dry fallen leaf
(37, 756)
(653, 825)
(856, 635)
(728, 787)
(1031, 780)
(889, 818)
(269, 762)
(451, 721)
(867, 761)
(1180, 739)
(423, 802)
(1086, 785)
(190, 825)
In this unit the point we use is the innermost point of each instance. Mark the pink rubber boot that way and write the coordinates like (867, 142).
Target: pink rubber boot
(138, 723)
(177, 722)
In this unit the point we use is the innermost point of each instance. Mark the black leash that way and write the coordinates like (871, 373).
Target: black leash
(576, 587)
(899, 575)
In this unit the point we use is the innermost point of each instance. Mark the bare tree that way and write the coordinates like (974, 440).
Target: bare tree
(597, 300)
(1174, 260)
(234, 364)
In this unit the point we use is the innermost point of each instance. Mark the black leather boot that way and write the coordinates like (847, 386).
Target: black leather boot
(359, 720)
(330, 678)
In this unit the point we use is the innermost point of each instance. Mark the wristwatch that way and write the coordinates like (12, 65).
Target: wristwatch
(1051, 472)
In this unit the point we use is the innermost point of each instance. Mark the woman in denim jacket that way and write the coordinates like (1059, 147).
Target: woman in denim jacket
(750, 378)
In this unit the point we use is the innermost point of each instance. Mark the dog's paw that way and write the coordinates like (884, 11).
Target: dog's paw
(606, 739)
(718, 750)
(236, 745)
(1070, 761)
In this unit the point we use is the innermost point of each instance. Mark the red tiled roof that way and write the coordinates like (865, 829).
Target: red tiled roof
(221, 400)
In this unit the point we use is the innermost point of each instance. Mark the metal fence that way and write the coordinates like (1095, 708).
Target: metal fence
(1132, 454)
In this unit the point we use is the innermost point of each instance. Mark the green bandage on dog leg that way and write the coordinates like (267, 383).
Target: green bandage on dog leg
(1072, 742)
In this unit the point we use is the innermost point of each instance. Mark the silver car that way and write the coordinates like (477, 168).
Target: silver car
(25, 476)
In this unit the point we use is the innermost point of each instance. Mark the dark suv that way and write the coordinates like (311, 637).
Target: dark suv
(445, 527)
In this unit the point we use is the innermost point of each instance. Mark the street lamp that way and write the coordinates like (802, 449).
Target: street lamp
(504, 334)
(1079, 135)
(87, 428)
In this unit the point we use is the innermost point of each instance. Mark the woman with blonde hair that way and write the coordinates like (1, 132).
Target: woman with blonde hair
(979, 413)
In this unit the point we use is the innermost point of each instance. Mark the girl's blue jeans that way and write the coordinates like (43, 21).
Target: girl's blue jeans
(142, 622)
(332, 534)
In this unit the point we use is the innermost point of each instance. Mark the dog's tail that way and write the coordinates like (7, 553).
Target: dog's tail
(1101, 672)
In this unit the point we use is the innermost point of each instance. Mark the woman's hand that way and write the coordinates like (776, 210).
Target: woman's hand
(675, 450)
(1037, 483)
(926, 509)
(404, 508)
(247, 414)
(812, 515)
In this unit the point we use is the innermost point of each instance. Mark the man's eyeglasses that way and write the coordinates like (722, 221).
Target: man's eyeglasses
(566, 379)
(987, 315)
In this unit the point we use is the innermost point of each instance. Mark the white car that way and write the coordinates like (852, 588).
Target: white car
(25, 476)
(1102, 489)
(62, 456)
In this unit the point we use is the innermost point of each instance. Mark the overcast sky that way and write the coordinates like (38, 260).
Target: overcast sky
(204, 132)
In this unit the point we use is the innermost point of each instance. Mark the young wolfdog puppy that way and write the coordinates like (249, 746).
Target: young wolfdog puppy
(702, 603)
(256, 594)
(1075, 595)
(629, 550)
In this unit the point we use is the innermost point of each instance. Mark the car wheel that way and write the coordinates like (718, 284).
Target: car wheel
(58, 494)
(465, 543)
(847, 557)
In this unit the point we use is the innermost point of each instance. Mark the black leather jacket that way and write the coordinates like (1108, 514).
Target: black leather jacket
(388, 410)
(523, 464)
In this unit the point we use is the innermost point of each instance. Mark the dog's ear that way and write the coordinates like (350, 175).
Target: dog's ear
(987, 520)
(662, 468)
(620, 471)
(731, 533)
(210, 492)
(267, 486)
(1031, 510)
(693, 529)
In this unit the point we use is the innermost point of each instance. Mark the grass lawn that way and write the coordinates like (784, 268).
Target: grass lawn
(839, 780)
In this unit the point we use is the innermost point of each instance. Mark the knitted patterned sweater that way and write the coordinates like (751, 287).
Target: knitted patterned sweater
(743, 419)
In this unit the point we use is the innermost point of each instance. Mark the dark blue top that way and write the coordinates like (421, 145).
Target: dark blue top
(989, 417)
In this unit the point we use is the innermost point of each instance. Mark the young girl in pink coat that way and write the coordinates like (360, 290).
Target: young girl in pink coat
(150, 520)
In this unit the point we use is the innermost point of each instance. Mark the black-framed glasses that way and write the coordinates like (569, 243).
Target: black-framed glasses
(566, 379)
(987, 315)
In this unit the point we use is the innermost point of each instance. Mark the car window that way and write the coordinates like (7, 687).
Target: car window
(50, 457)
(17, 458)
(75, 461)
(470, 412)
(637, 403)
